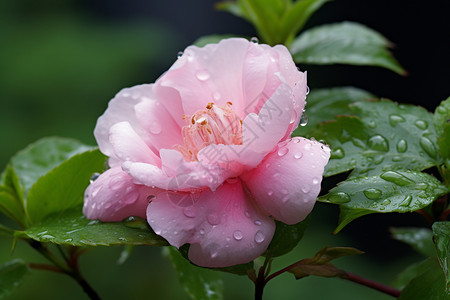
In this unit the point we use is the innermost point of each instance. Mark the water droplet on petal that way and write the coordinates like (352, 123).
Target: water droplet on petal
(339, 197)
(259, 237)
(402, 146)
(238, 235)
(202, 231)
(258, 223)
(304, 119)
(315, 180)
(373, 194)
(189, 211)
(307, 90)
(180, 54)
(213, 219)
(254, 40)
(155, 128)
(270, 193)
(202, 75)
(94, 177)
(282, 151)
(298, 155)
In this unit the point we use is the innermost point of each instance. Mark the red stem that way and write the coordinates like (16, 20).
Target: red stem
(372, 284)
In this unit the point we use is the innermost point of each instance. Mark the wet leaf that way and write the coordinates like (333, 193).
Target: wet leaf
(63, 188)
(11, 206)
(420, 239)
(198, 283)
(286, 237)
(72, 228)
(441, 232)
(344, 43)
(410, 273)
(11, 276)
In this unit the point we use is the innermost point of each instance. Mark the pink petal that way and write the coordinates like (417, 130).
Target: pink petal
(287, 183)
(128, 146)
(223, 227)
(113, 196)
(120, 109)
(176, 174)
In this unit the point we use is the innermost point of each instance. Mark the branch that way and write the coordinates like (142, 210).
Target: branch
(372, 284)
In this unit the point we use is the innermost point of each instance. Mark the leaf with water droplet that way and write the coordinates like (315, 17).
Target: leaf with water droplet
(198, 283)
(420, 239)
(12, 274)
(441, 231)
(72, 228)
(286, 237)
(391, 191)
(63, 187)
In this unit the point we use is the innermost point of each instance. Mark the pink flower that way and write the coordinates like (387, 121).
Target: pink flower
(205, 153)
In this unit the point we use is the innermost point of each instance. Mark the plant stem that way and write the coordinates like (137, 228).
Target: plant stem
(260, 282)
(372, 284)
(45, 267)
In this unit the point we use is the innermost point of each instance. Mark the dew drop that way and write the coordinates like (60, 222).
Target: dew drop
(305, 189)
(406, 201)
(428, 146)
(254, 40)
(238, 235)
(308, 146)
(315, 180)
(421, 124)
(304, 119)
(136, 223)
(189, 212)
(270, 193)
(298, 155)
(396, 178)
(372, 124)
(259, 237)
(216, 96)
(373, 194)
(296, 140)
(282, 151)
(339, 197)
(307, 90)
(202, 231)
(150, 198)
(379, 143)
(337, 153)
(155, 128)
(94, 177)
(395, 119)
(402, 146)
(258, 223)
(213, 219)
(180, 54)
(397, 158)
(202, 75)
(421, 186)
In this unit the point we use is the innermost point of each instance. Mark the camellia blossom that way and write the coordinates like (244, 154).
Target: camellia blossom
(205, 154)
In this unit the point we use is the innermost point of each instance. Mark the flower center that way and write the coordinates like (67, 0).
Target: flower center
(213, 125)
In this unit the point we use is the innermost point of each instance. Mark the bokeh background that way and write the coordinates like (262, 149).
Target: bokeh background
(61, 61)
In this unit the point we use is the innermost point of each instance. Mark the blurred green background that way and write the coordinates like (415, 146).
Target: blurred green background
(61, 61)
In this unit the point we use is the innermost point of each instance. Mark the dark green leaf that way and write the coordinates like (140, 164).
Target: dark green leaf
(42, 156)
(286, 237)
(231, 7)
(320, 265)
(11, 206)
(428, 285)
(391, 191)
(72, 228)
(63, 187)
(344, 43)
(442, 116)
(198, 283)
(11, 275)
(11, 180)
(295, 17)
(5, 231)
(125, 254)
(410, 273)
(382, 136)
(326, 104)
(441, 232)
(211, 39)
(421, 239)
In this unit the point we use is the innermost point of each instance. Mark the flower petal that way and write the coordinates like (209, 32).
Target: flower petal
(287, 183)
(223, 227)
(113, 196)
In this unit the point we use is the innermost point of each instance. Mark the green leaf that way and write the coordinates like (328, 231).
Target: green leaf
(428, 285)
(42, 156)
(442, 124)
(410, 273)
(11, 180)
(327, 104)
(11, 206)
(320, 265)
(382, 136)
(198, 283)
(344, 43)
(420, 239)
(391, 191)
(211, 39)
(72, 228)
(5, 231)
(286, 237)
(11, 276)
(441, 232)
(63, 187)
(125, 254)
(295, 18)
